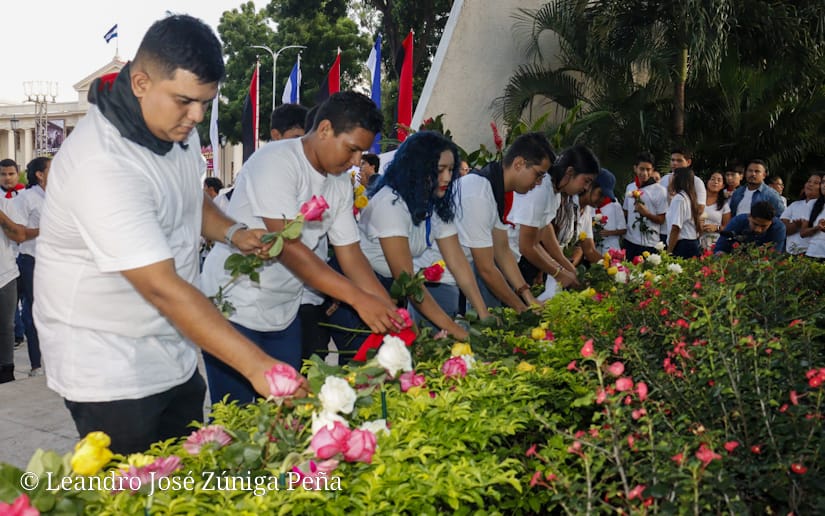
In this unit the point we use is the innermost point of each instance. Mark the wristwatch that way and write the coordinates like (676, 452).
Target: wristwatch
(234, 228)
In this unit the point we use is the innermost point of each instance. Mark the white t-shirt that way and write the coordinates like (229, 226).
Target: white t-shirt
(744, 205)
(386, 216)
(655, 199)
(8, 248)
(713, 215)
(679, 215)
(30, 206)
(113, 205)
(795, 244)
(477, 214)
(615, 221)
(536, 208)
(274, 183)
(816, 243)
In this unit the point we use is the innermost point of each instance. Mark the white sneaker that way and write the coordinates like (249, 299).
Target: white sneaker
(38, 371)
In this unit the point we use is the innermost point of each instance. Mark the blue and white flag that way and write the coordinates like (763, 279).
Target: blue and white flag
(374, 65)
(109, 36)
(292, 89)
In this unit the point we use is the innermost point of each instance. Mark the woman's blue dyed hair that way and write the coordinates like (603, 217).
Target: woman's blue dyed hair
(413, 175)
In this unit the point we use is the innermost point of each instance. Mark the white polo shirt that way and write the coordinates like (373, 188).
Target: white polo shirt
(30, 206)
(477, 214)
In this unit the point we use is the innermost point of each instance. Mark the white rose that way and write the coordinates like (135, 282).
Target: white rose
(621, 277)
(337, 396)
(469, 360)
(660, 246)
(394, 356)
(675, 267)
(654, 259)
(379, 425)
(326, 419)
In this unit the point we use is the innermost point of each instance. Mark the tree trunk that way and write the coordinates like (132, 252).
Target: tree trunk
(679, 97)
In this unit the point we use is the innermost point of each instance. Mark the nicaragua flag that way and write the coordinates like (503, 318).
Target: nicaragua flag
(109, 36)
(374, 65)
(292, 89)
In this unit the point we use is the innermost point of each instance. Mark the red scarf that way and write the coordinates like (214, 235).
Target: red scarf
(12, 192)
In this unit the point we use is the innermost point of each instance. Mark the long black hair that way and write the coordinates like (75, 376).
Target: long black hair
(413, 174)
(36, 165)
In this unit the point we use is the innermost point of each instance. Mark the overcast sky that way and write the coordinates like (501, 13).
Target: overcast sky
(62, 41)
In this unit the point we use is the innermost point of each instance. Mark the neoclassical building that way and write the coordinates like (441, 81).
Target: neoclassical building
(17, 125)
(17, 121)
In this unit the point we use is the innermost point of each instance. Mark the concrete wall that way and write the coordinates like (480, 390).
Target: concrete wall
(478, 53)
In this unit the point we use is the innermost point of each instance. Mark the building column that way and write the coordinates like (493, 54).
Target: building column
(27, 152)
(9, 150)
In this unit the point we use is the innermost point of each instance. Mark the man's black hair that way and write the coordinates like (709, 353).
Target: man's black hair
(182, 42)
(288, 116)
(533, 147)
(348, 110)
(8, 162)
(213, 183)
(372, 159)
(763, 210)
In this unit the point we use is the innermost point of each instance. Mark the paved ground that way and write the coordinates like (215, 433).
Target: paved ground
(31, 416)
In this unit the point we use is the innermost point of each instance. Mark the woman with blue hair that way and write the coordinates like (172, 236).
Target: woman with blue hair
(412, 208)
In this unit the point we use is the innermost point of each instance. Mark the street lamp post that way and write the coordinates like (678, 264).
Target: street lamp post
(15, 125)
(274, 64)
(39, 92)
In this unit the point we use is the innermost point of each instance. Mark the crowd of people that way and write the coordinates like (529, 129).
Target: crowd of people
(131, 244)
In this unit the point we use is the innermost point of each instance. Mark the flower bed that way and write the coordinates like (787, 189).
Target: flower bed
(680, 386)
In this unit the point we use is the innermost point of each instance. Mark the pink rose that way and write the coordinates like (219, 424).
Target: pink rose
(638, 259)
(731, 445)
(587, 349)
(208, 434)
(616, 368)
(410, 379)
(641, 390)
(406, 316)
(328, 442)
(624, 384)
(454, 367)
(434, 272)
(314, 208)
(283, 380)
(360, 446)
(20, 507)
(706, 455)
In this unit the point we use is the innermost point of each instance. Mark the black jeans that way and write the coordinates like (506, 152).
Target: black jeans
(135, 424)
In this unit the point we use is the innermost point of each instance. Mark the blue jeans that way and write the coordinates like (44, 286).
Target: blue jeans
(687, 249)
(26, 264)
(445, 294)
(486, 294)
(284, 345)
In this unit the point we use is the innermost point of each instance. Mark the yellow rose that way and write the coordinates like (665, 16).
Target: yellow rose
(612, 270)
(91, 453)
(538, 333)
(417, 392)
(137, 460)
(525, 367)
(460, 349)
(582, 236)
(588, 292)
(361, 202)
(442, 263)
(359, 190)
(646, 254)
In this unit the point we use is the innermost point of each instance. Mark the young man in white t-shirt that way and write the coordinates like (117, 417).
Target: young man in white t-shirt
(274, 182)
(645, 206)
(481, 216)
(117, 253)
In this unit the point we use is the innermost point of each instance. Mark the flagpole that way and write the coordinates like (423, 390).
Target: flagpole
(257, 115)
